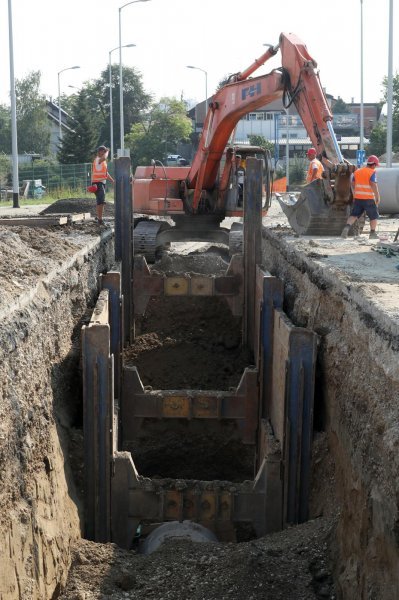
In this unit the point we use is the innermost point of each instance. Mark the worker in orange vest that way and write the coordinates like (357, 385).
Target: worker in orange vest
(366, 196)
(99, 178)
(316, 169)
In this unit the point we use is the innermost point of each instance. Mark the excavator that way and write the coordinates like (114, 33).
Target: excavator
(197, 198)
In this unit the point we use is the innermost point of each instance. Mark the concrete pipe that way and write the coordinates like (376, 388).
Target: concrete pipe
(388, 184)
(186, 530)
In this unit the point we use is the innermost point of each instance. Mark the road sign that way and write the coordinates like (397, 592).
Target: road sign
(360, 157)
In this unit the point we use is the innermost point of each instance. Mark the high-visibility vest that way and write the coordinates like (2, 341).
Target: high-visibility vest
(315, 163)
(361, 180)
(99, 171)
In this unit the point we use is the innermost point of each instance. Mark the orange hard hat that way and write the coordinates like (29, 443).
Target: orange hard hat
(373, 160)
(311, 152)
(92, 189)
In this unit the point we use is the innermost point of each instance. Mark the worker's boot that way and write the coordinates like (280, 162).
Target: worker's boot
(373, 235)
(345, 231)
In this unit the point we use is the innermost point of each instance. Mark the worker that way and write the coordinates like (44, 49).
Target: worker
(316, 169)
(366, 196)
(240, 179)
(99, 178)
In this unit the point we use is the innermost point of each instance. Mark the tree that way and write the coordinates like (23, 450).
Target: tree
(32, 121)
(395, 109)
(159, 133)
(378, 140)
(5, 129)
(78, 145)
(378, 136)
(340, 108)
(5, 169)
(260, 140)
(135, 100)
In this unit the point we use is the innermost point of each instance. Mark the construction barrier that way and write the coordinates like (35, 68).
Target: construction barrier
(280, 185)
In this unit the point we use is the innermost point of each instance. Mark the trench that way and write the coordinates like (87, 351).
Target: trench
(355, 438)
(185, 344)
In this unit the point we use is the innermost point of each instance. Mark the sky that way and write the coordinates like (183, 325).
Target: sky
(218, 36)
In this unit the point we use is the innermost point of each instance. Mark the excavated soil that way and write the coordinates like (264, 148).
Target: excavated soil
(190, 344)
(290, 565)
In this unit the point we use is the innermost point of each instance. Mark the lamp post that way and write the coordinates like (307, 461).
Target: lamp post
(390, 88)
(120, 72)
(111, 117)
(15, 175)
(361, 80)
(206, 85)
(59, 99)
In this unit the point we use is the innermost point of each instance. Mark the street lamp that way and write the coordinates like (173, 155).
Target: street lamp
(59, 99)
(120, 73)
(206, 84)
(390, 88)
(111, 119)
(361, 80)
(15, 176)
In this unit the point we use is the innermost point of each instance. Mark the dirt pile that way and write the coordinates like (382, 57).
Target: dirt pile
(78, 205)
(188, 343)
(291, 565)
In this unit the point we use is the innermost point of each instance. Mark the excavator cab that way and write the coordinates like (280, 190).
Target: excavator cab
(236, 187)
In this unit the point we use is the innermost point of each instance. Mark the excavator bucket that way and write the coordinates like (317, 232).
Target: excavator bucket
(313, 213)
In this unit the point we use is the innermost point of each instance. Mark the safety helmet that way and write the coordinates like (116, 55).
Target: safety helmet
(102, 148)
(92, 189)
(311, 152)
(373, 160)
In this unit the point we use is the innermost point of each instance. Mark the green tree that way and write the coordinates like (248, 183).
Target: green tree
(5, 169)
(260, 140)
(32, 120)
(158, 134)
(5, 129)
(79, 144)
(135, 101)
(340, 108)
(395, 109)
(378, 136)
(378, 140)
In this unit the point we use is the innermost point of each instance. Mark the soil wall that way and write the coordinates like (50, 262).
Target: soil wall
(39, 397)
(356, 402)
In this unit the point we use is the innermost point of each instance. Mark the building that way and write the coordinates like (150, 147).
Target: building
(53, 117)
(276, 123)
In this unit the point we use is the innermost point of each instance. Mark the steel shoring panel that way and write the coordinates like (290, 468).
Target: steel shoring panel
(124, 239)
(217, 505)
(252, 244)
(111, 281)
(241, 406)
(98, 413)
(291, 414)
(147, 284)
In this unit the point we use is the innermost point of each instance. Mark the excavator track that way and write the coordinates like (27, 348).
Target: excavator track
(145, 238)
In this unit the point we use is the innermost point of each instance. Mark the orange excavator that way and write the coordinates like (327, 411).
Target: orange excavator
(198, 197)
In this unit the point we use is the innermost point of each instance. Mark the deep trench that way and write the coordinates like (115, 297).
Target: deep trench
(343, 476)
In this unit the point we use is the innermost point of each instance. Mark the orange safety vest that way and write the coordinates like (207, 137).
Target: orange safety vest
(320, 170)
(361, 180)
(99, 171)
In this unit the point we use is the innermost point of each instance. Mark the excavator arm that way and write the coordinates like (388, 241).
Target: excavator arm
(295, 82)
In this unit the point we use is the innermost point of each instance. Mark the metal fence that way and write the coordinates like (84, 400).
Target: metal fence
(55, 177)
